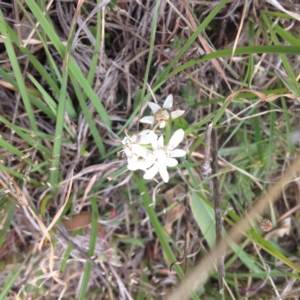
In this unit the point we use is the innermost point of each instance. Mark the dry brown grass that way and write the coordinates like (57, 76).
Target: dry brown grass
(121, 270)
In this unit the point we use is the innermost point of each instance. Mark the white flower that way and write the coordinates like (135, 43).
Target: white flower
(161, 115)
(138, 157)
(145, 137)
(163, 156)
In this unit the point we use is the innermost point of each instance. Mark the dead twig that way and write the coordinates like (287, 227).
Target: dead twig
(217, 208)
(211, 152)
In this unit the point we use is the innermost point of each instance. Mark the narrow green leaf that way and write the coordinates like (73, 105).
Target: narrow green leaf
(7, 210)
(272, 250)
(17, 71)
(59, 130)
(94, 231)
(74, 70)
(295, 50)
(85, 280)
(88, 117)
(10, 280)
(132, 241)
(258, 137)
(204, 216)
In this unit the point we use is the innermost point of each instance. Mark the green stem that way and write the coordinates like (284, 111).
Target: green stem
(168, 132)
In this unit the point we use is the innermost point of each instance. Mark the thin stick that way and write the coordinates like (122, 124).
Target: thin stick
(217, 208)
(206, 166)
(211, 152)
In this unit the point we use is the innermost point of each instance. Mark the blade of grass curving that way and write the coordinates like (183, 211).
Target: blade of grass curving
(158, 228)
(244, 95)
(267, 246)
(295, 50)
(221, 53)
(74, 70)
(259, 241)
(277, 14)
(286, 36)
(17, 71)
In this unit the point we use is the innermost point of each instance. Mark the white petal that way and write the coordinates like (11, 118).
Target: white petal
(171, 162)
(150, 173)
(149, 161)
(145, 132)
(164, 173)
(178, 153)
(154, 107)
(162, 124)
(176, 139)
(148, 120)
(134, 138)
(140, 150)
(126, 140)
(146, 137)
(176, 114)
(157, 144)
(128, 152)
(133, 165)
(161, 141)
(152, 136)
(168, 102)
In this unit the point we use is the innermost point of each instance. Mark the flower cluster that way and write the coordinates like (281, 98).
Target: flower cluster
(137, 147)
